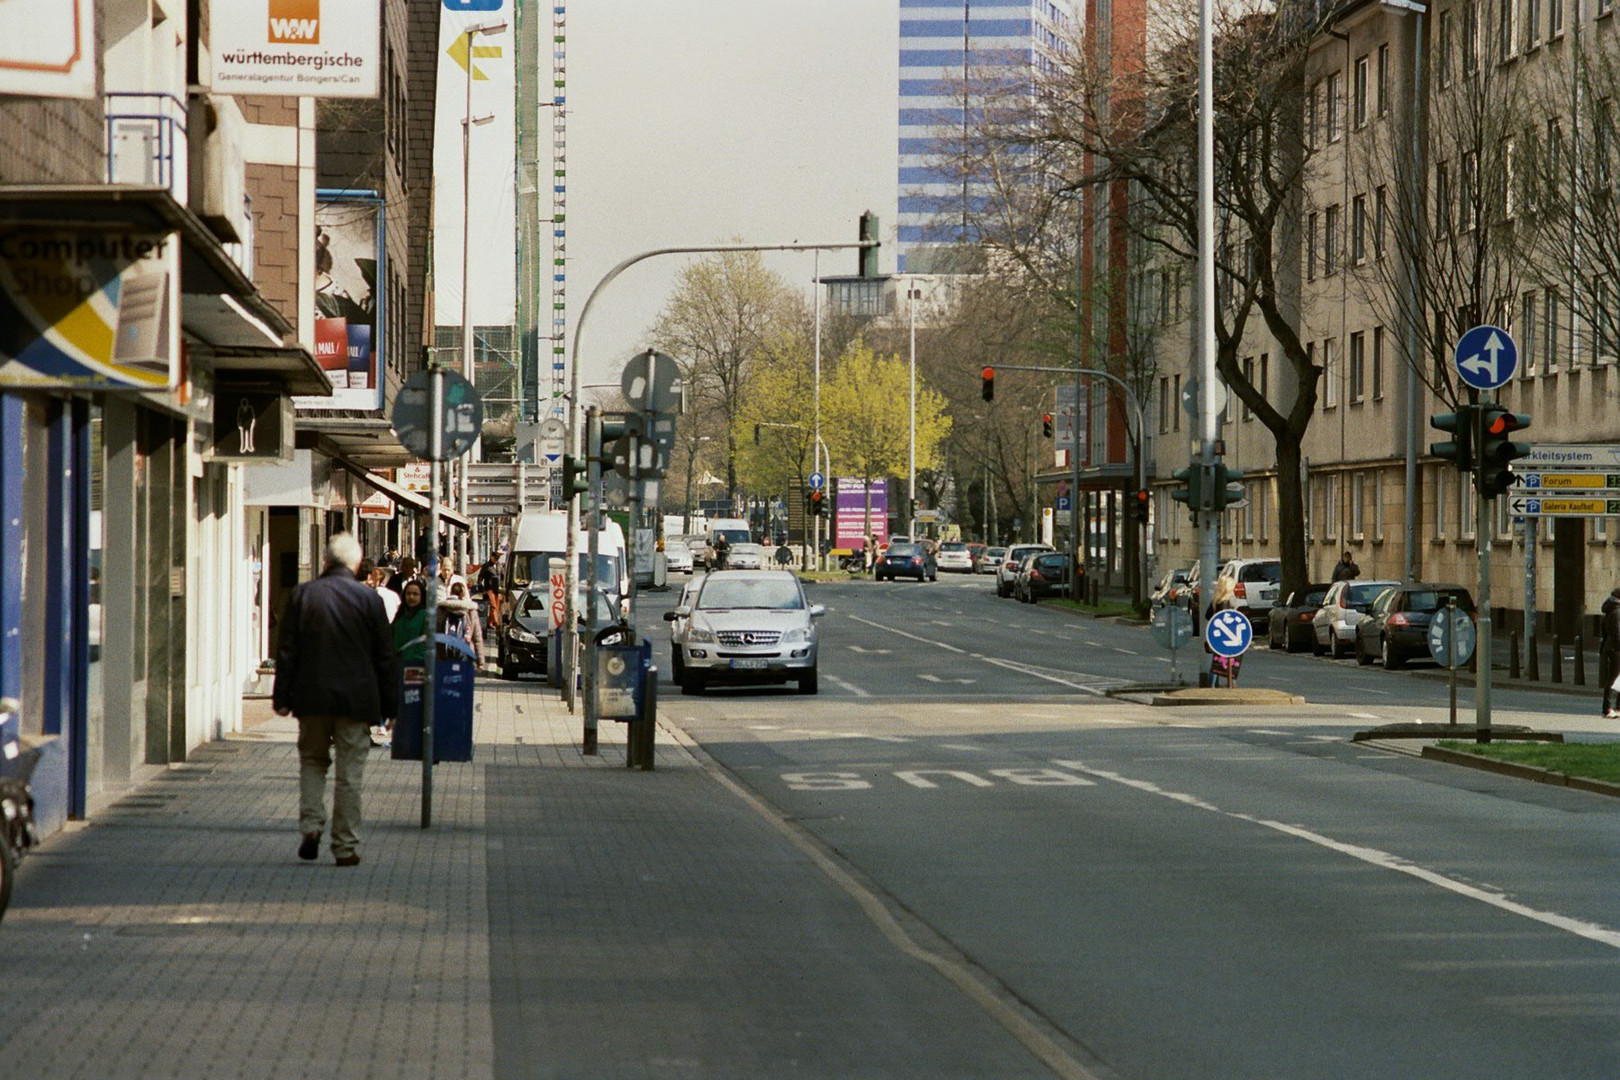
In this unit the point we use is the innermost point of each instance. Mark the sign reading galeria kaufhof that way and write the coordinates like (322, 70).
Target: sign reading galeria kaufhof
(298, 48)
(88, 308)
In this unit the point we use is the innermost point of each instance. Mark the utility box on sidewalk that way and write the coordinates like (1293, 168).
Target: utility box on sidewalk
(621, 680)
(452, 712)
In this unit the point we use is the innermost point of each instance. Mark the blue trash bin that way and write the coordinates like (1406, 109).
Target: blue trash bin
(452, 708)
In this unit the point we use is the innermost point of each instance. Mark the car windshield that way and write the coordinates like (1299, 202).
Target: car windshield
(951, 546)
(1364, 594)
(536, 604)
(1314, 598)
(1261, 572)
(1435, 599)
(724, 591)
(536, 566)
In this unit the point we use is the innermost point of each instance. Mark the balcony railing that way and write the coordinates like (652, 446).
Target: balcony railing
(146, 140)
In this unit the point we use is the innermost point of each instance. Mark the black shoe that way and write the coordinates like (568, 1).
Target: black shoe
(310, 846)
(348, 860)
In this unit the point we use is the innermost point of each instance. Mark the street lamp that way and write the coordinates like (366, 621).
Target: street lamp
(467, 122)
(912, 293)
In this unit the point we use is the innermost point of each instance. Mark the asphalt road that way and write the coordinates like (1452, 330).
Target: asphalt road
(1191, 893)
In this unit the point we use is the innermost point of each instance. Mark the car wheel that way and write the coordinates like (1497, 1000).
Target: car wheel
(677, 670)
(807, 682)
(1289, 642)
(1392, 659)
(509, 672)
(691, 682)
(1271, 637)
(1363, 657)
(1317, 648)
(1333, 645)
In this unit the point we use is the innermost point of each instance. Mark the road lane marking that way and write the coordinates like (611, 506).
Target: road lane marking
(937, 679)
(1025, 669)
(1363, 716)
(1603, 935)
(847, 686)
(902, 633)
(1127, 652)
(872, 652)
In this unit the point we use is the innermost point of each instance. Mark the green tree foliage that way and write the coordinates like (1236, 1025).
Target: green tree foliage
(865, 416)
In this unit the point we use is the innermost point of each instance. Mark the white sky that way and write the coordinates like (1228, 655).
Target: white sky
(704, 121)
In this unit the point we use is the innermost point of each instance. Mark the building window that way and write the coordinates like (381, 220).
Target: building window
(1248, 511)
(1470, 37)
(1507, 15)
(1358, 366)
(1605, 7)
(1442, 199)
(1330, 512)
(1467, 512)
(1510, 178)
(1549, 330)
(1265, 376)
(1380, 219)
(1313, 119)
(1383, 79)
(1358, 498)
(1248, 377)
(1378, 363)
(1330, 377)
(1603, 144)
(1330, 242)
(1604, 324)
(1532, 24)
(1175, 411)
(1526, 335)
(1358, 230)
(1335, 117)
(1378, 505)
(1468, 193)
(1264, 489)
(1164, 404)
(1555, 19)
(1442, 477)
(1358, 107)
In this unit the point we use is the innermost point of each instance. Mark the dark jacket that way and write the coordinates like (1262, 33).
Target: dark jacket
(1609, 628)
(1346, 571)
(336, 653)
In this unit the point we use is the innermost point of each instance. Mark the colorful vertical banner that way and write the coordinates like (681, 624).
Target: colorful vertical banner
(349, 252)
(853, 524)
(485, 60)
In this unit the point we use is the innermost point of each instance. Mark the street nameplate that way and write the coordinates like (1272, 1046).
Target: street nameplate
(1583, 481)
(1525, 506)
(1546, 457)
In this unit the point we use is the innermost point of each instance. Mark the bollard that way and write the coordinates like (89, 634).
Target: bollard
(1513, 654)
(1580, 660)
(1557, 660)
(1532, 659)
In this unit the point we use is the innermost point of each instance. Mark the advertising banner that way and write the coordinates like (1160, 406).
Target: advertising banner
(853, 524)
(89, 309)
(348, 247)
(483, 64)
(48, 48)
(296, 48)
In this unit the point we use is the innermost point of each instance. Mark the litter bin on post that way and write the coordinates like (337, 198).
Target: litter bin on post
(452, 708)
(624, 693)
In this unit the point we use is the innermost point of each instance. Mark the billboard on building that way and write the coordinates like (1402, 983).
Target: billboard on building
(296, 48)
(485, 61)
(852, 498)
(349, 253)
(89, 308)
(47, 48)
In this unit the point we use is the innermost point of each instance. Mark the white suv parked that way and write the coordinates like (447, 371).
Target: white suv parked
(1254, 586)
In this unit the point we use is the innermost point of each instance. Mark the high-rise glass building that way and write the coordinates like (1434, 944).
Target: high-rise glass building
(946, 45)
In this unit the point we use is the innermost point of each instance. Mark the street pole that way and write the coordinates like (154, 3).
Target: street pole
(430, 664)
(1208, 539)
(911, 467)
(1076, 529)
(815, 451)
(1482, 621)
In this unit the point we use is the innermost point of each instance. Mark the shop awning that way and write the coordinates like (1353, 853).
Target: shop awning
(409, 499)
(221, 307)
(367, 441)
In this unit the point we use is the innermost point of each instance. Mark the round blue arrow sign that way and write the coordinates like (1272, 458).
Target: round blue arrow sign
(817, 481)
(1486, 357)
(1228, 633)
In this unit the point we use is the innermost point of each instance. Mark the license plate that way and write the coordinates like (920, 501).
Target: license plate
(748, 665)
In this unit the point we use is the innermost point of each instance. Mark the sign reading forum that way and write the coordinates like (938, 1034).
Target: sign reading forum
(296, 48)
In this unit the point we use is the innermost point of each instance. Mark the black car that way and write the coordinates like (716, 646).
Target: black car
(1396, 628)
(1290, 624)
(906, 560)
(521, 642)
(1044, 574)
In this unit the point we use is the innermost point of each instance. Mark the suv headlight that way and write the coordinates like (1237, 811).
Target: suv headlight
(698, 634)
(520, 634)
(797, 635)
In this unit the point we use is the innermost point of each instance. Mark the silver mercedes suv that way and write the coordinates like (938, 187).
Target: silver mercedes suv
(744, 626)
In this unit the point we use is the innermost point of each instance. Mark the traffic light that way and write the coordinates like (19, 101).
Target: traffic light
(756, 434)
(989, 392)
(818, 503)
(1227, 487)
(869, 254)
(1459, 450)
(1046, 426)
(1497, 451)
(574, 481)
(1139, 506)
(1191, 479)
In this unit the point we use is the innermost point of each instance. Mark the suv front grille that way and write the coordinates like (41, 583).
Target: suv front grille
(735, 638)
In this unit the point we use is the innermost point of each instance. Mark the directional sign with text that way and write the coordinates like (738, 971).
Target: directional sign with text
(1486, 357)
(1528, 506)
(1228, 633)
(1568, 481)
(1547, 457)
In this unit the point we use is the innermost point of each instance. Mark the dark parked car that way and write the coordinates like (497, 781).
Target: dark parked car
(906, 560)
(1396, 628)
(521, 642)
(1044, 574)
(1290, 626)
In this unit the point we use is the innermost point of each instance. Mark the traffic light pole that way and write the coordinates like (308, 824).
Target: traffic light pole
(1482, 621)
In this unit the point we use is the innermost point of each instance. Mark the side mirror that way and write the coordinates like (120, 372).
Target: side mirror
(817, 611)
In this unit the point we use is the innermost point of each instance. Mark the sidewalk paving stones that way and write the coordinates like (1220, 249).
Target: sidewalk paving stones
(564, 917)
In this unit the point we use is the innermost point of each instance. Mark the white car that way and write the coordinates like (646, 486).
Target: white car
(746, 557)
(1254, 586)
(1007, 572)
(744, 626)
(1344, 606)
(955, 557)
(677, 556)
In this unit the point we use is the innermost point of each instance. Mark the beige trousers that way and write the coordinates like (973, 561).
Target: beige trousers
(317, 736)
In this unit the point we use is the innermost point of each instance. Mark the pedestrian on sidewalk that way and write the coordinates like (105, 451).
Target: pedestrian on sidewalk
(458, 617)
(1609, 655)
(489, 587)
(405, 572)
(1346, 569)
(376, 578)
(335, 672)
(410, 623)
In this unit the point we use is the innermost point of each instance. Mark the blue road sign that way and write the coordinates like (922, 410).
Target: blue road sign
(817, 481)
(1486, 357)
(1061, 502)
(1229, 633)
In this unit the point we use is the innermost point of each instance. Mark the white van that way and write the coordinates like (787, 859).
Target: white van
(538, 538)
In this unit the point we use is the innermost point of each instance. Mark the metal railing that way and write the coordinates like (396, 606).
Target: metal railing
(146, 140)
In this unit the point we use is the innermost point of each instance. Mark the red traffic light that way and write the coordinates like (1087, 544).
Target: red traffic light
(989, 392)
(1046, 425)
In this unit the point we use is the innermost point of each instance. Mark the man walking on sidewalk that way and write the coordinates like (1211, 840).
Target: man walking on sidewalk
(1609, 653)
(335, 672)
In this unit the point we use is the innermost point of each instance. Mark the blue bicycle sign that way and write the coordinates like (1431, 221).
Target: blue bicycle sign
(1229, 633)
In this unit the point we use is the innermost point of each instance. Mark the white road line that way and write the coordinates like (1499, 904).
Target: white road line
(1127, 652)
(902, 633)
(1265, 731)
(1364, 716)
(1025, 669)
(847, 686)
(1603, 935)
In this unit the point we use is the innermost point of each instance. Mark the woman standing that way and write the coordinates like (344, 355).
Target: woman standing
(409, 623)
(458, 617)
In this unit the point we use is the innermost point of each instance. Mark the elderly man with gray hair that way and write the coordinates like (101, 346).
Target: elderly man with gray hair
(335, 672)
